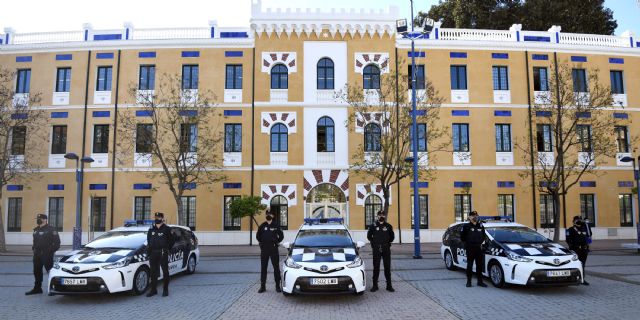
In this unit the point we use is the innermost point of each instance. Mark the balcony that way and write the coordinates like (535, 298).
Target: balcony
(16, 162)
(279, 158)
(144, 96)
(232, 159)
(504, 158)
(462, 158)
(620, 100)
(100, 160)
(279, 95)
(621, 155)
(325, 96)
(459, 96)
(102, 97)
(371, 97)
(189, 96)
(60, 99)
(542, 97)
(326, 159)
(546, 159)
(586, 159)
(57, 161)
(233, 95)
(142, 160)
(501, 96)
(20, 99)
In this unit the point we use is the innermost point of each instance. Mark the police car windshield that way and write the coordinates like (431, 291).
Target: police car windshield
(323, 238)
(516, 235)
(119, 239)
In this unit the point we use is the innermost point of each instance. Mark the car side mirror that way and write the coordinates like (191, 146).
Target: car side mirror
(360, 244)
(286, 245)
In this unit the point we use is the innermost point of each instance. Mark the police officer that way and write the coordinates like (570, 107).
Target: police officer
(46, 242)
(577, 239)
(380, 235)
(473, 236)
(269, 235)
(159, 243)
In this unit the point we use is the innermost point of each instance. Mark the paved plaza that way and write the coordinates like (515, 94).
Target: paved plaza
(226, 283)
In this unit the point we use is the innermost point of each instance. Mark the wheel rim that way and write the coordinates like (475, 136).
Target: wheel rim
(192, 264)
(448, 260)
(496, 274)
(141, 280)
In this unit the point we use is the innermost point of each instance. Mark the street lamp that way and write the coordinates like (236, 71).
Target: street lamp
(77, 230)
(636, 177)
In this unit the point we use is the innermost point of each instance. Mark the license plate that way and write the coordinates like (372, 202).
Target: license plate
(74, 282)
(558, 273)
(323, 281)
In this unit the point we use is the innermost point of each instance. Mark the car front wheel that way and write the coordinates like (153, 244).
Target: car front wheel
(496, 274)
(141, 280)
(191, 264)
(448, 260)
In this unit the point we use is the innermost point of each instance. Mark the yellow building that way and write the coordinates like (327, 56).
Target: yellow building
(287, 143)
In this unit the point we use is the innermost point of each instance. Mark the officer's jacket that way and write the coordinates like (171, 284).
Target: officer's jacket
(159, 238)
(472, 234)
(576, 237)
(45, 240)
(269, 234)
(380, 233)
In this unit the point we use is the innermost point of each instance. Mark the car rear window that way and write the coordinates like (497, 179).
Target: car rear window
(516, 235)
(119, 239)
(323, 238)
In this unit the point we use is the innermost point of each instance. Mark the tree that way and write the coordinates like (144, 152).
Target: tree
(475, 14)
(384, 116)
(18, 120)
(179, 129)
(247, 206)
(575, 128)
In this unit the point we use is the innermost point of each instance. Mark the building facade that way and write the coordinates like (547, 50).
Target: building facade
(285, 133)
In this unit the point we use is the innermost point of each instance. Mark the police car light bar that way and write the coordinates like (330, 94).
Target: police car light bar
(311, 221)
(495, 218)
(132, 223)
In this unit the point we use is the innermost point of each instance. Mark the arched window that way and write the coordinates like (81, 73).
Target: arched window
(372, 205)
(280, 211)
(372, 136)
(326, 135)
(279, 77)
(325, 74)
(371, 77)
(279, 142)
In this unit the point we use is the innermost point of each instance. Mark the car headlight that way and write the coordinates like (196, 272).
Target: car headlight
(291, 264)
(515, 257)
(357, 262)
(118, 264)
(574, 257)
(56, 265)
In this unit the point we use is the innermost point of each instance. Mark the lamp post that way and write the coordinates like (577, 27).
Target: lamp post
(77, 230)
(636, 177)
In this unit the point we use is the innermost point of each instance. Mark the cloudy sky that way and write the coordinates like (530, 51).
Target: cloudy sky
(67, 15)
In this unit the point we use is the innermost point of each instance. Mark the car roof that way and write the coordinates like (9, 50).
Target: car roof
(323, 226)
(494, 224)
(145, 227)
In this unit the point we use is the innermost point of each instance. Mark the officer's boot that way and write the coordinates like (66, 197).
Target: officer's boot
(278, 289)
(35, 290)
(262, 289)
(374, 288)
(481, 284)
(390, 287)
(165, 292)
(468, 283)
(152, 293)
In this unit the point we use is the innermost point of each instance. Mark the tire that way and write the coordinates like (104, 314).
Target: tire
(141, 280)
(360, 293)
(448, 260)
(286, 294)
(191, 265)
(496, 275)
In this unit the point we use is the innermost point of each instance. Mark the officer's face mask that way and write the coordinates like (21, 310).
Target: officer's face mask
(381, 219)
(269, 218)
(158, 221)
(39, 221)
(474, 218)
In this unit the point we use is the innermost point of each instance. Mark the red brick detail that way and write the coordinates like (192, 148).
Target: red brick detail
(265, 195)
(273, 188)
(284, 116)
(367, 188)
(273, 116)
(366, 57)
(265, 123)
(284, 188)
(358, 64)
(378, 188)
(333, 177)
(285, 56)
(265, 63)
(376, 57)
(274, 57)
(367, 116)
(360, 195)
(292, 63)
(292, 195)
(345, 185)
(383, 65)
(307, 185)
(318, 175)
(292, 123)
(377, 116)
(359, 123)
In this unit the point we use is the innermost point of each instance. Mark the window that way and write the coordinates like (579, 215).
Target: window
(547, 211)
(500, 78)
(14, 219)
(190, 77)
(422, 137)
(372, 205)
(325, 74)
(147, 79)
(540, 79)
(233, 79)
(461, 137)
(579, 80)
(24, 81)
(101, 138)
(18, 139)
(280, 211)
(59, 140)
(188, 137)
(458, 77)
(104, 79)
(142, 208)
(372, 136)
(63, 80)
(617, 82)
(98, 213)
(423, 200)
(588, 208)
(462, 206)
(56, 212)
(505, 206)
(325, 135)
(233, 137)
(622, 139)
(420, 78)
(279, 138)
(584, 137)
(371, 77)
(503, 138)
(188, 216)
(229, 222)
(279, 77)
(626, 210)
(144, 138)
(543, 138)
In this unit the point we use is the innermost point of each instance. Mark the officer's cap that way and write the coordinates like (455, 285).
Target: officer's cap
(159, 215)
(473, 213)
(42, 216)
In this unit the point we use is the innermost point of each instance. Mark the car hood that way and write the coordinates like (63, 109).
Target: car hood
(94, 255)
(323, 254)
(537, 249)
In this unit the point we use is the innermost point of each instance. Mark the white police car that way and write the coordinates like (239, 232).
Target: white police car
(323, 259)
(515, 254)
(117, 261)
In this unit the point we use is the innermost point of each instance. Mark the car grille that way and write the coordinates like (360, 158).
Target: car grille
(562, 263)
(323, 272)
(80, 271)
(540, 277)
(305, 285)
(93, 285)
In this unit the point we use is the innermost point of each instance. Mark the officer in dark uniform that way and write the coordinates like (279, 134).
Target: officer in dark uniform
(269, 235)
(159, 243)
(473, 236)
(380, 235)
(46, 242)
(577, 239)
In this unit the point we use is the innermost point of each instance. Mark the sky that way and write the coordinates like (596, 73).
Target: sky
(69, 15)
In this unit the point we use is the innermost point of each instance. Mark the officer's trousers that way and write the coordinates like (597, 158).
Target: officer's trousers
(269, 253)
(475, 254)
(41, 260)
(159, 259)
(384, 252)
(583, 253)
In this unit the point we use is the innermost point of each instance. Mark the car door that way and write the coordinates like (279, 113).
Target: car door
(176, 255)
(457, 247)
